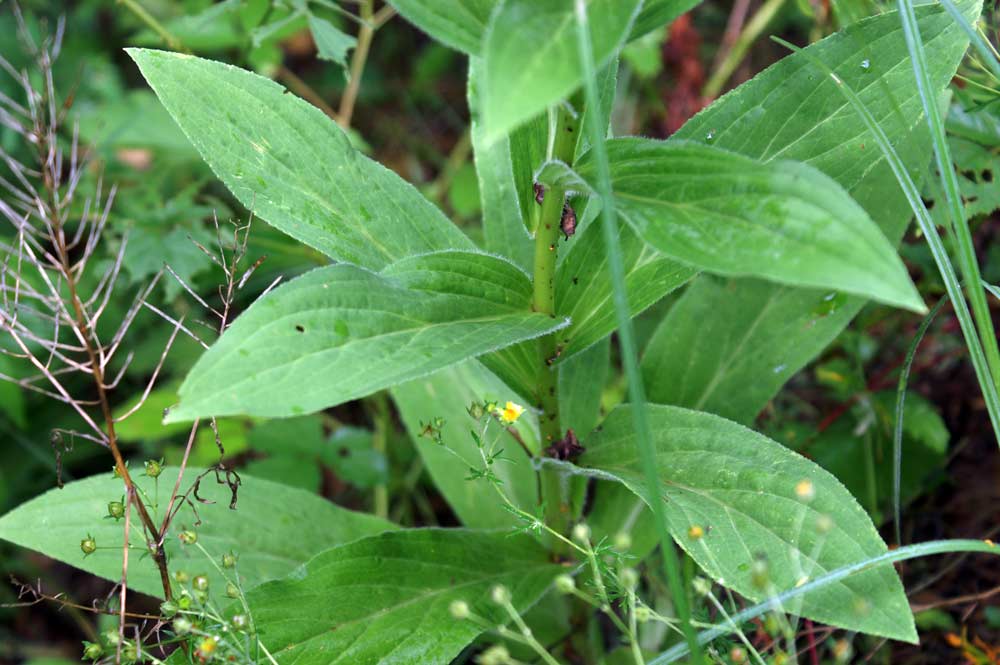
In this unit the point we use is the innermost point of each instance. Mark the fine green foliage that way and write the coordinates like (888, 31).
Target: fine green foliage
(530, 56)
(729, 214)
(450, 461)
(341, 332)
(386, 598)
(290, 164)
(752, 497)
(274, 529)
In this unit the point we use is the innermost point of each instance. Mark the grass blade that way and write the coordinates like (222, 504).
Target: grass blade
(777, 602)
(976, 39)
(960, 227)
(626, 335)
(897, 433)
(927, 226)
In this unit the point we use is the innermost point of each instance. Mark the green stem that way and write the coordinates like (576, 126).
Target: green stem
(555, 493)
(626, 335)
(735, 56)
(379, 439)
(358, 60)
(153, 24)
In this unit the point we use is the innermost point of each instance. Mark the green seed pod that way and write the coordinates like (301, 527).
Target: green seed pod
(459, 609)
(623, 541)
(130, 652)
(181, 576)
(565, 584)
(200, 583)
(116, 510)
(581, 533)
(88, 545)
(240, 622)
(184, 601)
(629, 578)
(182, 626)
(188, 537)
(229, 560)
(476, 410)
(168, 608)
(154, 468)
(92, 650)
(232, 590)
(500, 594)
(760, 574)
(643, 614)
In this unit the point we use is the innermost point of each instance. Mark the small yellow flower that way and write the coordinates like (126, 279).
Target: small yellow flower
(805, 490)
(511, 412)
(695, 532)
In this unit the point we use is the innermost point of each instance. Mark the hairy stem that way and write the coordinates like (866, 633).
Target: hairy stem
(554, 489)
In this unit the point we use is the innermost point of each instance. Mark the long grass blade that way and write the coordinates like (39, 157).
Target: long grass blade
(985, 51)
(966, 250)
(897, 432)
(927, 226)
(626, 335)
(775, 603)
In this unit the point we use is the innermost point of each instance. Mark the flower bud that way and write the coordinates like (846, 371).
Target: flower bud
(701, 586)
(182, 626)
(200, 583)
(88, 545)
(111, 637)
(565, 584)
(229, 560)
(623, 541)
(629, 578)
(184, 600)
(500, 594)
(130, 652)
(643, 614)
(232, 590)
(181, 576)
(476, 410)
(154, 468)
(738, 655)
(116, 510)
(459, 609)
(495, 655)
(805, 490)
(240, 621)
(188, 537)
(581, 533)
(168, 608)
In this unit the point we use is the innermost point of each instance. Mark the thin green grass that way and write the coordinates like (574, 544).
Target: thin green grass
(986, 52)
(775, 603)
(897, 433)
(964, 246)
(626, 335)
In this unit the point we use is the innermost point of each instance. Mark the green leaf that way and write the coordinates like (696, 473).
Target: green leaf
(290, 164)
(657, 13)
(743, 491)
(459, 24)
(331, 43)
(807, 120)
(730, 214)
(273, 530)
(531, 59)
(339, 333)
(447, 394)
(581, 385)
(386, 599)
(583, 285)
(739, 340)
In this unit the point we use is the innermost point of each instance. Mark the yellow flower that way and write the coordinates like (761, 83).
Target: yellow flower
(511, 412)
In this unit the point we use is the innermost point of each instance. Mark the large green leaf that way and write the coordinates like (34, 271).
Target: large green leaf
(385, 599)
(808, 120)
(744, 495)
(729, 214)
(459, 24)
(447, 395)
(273, 530)
(531, 60)
(342, 332)
(293, 166)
